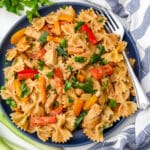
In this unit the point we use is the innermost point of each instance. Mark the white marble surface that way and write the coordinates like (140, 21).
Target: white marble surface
(7, 20)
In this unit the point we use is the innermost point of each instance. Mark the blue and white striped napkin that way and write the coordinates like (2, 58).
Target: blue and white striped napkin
(136, 16)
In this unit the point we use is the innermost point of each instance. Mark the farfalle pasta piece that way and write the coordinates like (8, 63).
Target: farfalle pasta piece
(68, 29)
(22, 45)
(86, 15)
(44, 132)
(49, 102)
(70, 120)
(38, 23)
(110, 41)
(97, 23)
(31, 32)
(94, 134)
(11, 54)
(127, 108)
(51, 18)
(113, 56)
(20, 119)
(92, 118)
(67, 11)
(61, 134)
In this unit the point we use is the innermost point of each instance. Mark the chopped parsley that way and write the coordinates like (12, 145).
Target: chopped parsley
(69, 68)
(49, 74)
(80, 59)
(56, 104)
(24, 89)
(70, 100)
(95, 58)
(79, 25)
(3, 87)
(11, 102)
(64, 6)
(36, 76)
(80, 118)
(61, 51)
(63, 43)
(41, 65)
(100, 20)
(43, 37)
(48, 87)
(67, 85)
(112, 103)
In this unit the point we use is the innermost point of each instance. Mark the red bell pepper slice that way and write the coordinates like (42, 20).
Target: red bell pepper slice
(27, 73)
(58, 73)
(100, 72)
(57, 110)
(44, 120)
(85, 28)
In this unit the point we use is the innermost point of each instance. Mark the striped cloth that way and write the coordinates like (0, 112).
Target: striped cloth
(136, 16)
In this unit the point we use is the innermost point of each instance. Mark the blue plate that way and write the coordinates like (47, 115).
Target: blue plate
(78, 137)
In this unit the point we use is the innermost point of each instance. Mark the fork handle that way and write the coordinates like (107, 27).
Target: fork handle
(141, 98)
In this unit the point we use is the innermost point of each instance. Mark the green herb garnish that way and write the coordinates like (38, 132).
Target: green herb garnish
(63, 43)
(43, 37)
(80, 59)
(87, 86)
(100, 20)
(79, 25)
(11, 102)
(64, 6)
(24, 89)
(80, 118)
(41, 65)
(36, 76)
(69, 68)
(70, 100)
(112, 103)
(18, 6)
(67, 85)
(48, 87)
(49, 74)
(95, 58)
(6, 79)
(56, 104)
(61, 51)
(3, 87)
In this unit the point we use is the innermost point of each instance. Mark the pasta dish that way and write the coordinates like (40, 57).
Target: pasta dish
(67, 73)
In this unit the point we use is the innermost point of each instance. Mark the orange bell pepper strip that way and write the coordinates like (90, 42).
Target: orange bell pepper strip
(44, 120)
(65, 17)
(57, 27)
(42, 88)
(89, 103)
(80, 77)
(54, 39)
(77, 107)
(17, 35)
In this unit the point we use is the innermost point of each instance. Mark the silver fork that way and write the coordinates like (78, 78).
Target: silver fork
(113, 25)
